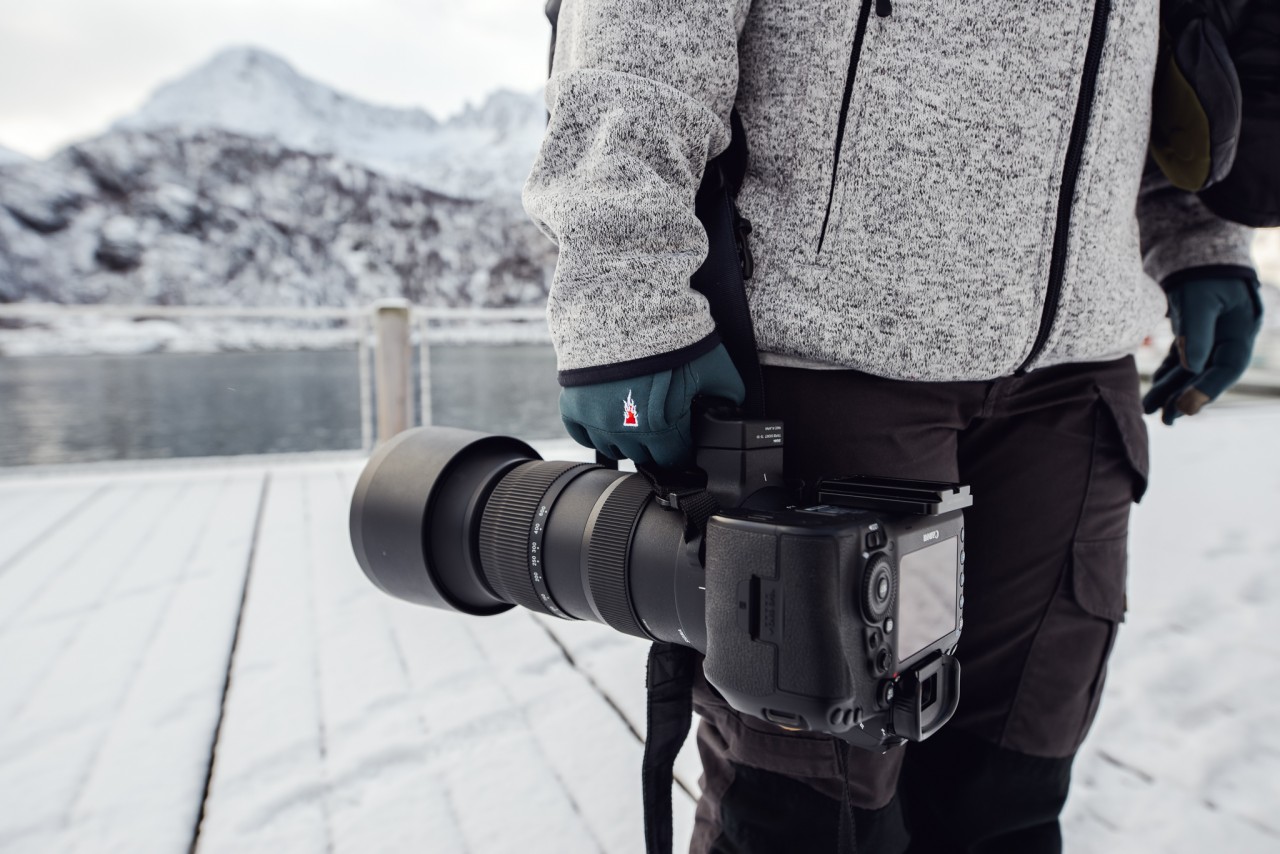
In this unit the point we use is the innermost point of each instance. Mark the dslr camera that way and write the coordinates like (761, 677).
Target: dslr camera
(834, 608)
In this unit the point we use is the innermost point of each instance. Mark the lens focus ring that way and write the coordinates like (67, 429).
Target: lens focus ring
(505, 528)
(607, 554)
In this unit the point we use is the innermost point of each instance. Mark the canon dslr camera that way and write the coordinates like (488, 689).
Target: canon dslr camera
(839, 615)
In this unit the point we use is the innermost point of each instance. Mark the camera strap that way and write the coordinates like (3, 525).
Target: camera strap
(669, 712)
(847, 834)
(671, 671)
(680, 492)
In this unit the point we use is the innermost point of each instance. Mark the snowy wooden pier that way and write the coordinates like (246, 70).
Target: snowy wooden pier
(190, 660)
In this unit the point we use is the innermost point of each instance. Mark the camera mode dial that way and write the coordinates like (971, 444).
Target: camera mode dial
(878, 589)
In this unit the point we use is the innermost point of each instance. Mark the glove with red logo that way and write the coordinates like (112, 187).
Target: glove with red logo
(646, 419)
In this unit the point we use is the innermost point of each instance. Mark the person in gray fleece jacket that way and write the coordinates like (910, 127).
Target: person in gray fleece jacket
(949, 279)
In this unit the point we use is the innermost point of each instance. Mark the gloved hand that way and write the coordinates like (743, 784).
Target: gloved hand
(1215, 322)
(646, 419)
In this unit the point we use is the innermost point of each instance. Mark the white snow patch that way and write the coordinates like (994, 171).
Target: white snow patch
(8, 155)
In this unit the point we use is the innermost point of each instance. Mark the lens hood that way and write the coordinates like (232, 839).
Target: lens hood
(416, 511)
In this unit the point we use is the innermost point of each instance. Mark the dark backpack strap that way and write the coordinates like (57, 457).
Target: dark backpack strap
(669, 711)
(722, 276)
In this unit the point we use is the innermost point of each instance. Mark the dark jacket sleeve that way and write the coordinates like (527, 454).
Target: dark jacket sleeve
(639, 98)
(1180, 235)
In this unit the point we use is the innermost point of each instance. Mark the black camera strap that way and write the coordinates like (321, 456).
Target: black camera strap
(670, 673)
(669, 712)
(847, 835)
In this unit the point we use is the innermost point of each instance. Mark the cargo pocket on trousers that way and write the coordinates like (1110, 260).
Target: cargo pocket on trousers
(1125, 408)
(1065, 669)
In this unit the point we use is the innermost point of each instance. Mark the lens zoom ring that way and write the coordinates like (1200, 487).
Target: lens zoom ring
(504, 530)
(607, 554)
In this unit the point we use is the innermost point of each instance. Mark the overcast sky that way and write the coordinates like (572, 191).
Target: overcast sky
(68, 67)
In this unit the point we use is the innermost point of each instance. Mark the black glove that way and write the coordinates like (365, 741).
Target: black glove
(1215, 322)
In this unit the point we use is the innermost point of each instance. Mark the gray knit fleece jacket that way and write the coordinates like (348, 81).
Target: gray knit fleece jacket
(947, 192)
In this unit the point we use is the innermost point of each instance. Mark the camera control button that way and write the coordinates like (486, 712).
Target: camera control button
(887, 692)
(888, 625)
(883, 661)
(877, 589)
(876, 539)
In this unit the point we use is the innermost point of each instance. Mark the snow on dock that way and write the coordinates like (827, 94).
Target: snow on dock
(190, 659)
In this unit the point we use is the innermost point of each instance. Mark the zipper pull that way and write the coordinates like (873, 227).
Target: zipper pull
(884, 8)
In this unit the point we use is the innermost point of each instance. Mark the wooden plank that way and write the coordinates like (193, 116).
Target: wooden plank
(30, 514)
(376, 746)
(39, 624)
(266, 791)
(82, 638)
(41, 561)
(155, 755)
(615, 664)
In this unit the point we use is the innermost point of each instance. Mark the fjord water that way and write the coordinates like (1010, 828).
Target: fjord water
(69, 409)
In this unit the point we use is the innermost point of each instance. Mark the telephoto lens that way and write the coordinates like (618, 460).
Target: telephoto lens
(476, 523)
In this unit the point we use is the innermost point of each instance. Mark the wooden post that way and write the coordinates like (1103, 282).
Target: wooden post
(393, 367)
(424, 371)
(363, 324)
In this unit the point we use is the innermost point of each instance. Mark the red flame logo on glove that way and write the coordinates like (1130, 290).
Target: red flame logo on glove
(629, 412)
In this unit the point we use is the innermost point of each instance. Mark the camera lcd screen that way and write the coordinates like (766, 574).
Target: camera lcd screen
(927, 606)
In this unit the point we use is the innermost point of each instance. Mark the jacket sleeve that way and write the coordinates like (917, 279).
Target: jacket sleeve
(1181, 238)
(639, 101)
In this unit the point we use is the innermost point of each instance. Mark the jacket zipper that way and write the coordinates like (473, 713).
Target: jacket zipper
(863, 15)
(1070, 173)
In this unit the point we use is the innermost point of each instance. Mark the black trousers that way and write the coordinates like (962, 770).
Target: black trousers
(1055, 458)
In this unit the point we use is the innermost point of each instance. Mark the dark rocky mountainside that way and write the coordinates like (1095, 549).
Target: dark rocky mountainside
(221, 219)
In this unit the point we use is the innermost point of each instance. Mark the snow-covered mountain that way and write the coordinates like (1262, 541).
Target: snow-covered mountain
(8, 155)
(210, 217)
(483, 152)
(244, 183)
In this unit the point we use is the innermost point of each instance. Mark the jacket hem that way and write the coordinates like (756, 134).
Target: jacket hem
(638, 367)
